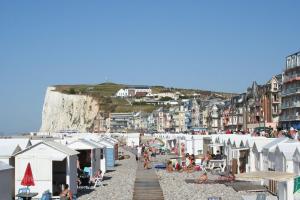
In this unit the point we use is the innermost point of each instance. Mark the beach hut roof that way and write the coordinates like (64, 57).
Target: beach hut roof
(59, 147)
(250, 142)
(259, 144)
(4, 166)
(97, 143)
(85, 144)
(288, 149)
(296, 155)
(272, 145)
(22, 142)
(8, 150)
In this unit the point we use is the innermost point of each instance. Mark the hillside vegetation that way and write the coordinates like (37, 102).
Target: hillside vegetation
(104, 94)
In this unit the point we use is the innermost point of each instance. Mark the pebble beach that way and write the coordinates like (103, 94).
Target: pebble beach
(118, 183)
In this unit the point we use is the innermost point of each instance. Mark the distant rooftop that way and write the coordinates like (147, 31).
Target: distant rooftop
(138, 86)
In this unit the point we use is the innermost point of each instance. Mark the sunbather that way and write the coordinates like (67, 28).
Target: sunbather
(169, 167)
(203, 178)
(230, 177)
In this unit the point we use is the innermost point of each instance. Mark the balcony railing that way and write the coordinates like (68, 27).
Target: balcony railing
(291, 91)
(291, 105)
(289, 118)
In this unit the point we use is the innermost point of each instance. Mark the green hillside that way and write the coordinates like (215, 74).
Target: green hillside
(104, 93)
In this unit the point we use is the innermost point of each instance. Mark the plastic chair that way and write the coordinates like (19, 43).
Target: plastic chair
(23, 190)
(46, 196)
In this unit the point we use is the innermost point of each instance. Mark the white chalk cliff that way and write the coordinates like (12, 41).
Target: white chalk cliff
(68, 112)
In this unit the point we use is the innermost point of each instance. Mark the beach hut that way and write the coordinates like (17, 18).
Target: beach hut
(257, 149)
(115, 143)
(110, 152)
(133, 139)
(6, 181)
(89, 154)
(269, 153)
(52, 164)
(284, 153)
(255, 156)
(296, 160)
(103, 163)
(195, 144)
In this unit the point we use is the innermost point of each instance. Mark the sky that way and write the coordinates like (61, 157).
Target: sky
(214, 45)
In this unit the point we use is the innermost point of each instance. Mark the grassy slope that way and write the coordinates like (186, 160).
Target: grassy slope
(104, 92)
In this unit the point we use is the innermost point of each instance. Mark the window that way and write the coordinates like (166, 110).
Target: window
(294, 59)
(288, 62)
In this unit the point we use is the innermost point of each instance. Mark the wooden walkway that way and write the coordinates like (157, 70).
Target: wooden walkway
(146, 186)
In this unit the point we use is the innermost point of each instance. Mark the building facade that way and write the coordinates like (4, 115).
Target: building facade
(290, 109)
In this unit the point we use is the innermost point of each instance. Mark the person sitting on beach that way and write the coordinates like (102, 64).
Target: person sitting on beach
(207, 158)
(65, 194)
(169, 167)
(98, 174)
(178, 168)
(203, 178)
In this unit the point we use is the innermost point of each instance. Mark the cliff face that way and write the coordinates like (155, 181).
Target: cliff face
(68, 112)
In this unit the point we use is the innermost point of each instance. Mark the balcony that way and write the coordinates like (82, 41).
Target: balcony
(291, 91)
(289, 118)
(290, 105)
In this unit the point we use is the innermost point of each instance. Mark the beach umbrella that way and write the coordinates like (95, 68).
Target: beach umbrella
(28, 178)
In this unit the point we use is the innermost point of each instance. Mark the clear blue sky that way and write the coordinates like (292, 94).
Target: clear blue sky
(216, 45)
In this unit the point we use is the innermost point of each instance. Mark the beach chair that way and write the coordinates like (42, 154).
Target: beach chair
(98, 181)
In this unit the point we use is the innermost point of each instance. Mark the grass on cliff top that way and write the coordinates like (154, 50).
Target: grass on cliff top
(104, 89)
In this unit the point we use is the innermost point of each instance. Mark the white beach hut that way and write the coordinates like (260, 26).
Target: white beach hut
(254, 156)
(132, 139)
(89, 154)
(269, 153)
(6, 181)
(296, 160)
(52, 164)
(258, 153)
(195, 144)
(103, 164)
(284, 153)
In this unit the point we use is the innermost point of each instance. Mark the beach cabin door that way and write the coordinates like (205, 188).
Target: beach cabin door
(59, 175)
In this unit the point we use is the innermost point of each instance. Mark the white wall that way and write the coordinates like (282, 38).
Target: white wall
(6, 184)
(42, 175)
(72, 173)
(40, 158)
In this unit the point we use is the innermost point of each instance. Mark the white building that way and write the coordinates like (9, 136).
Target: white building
(51, 163)
(122, 93)
(133, 90)
(6, 181)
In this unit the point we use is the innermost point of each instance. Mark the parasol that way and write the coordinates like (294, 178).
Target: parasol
(28, 178)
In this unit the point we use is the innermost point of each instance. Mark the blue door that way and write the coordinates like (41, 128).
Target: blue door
(110, 157)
